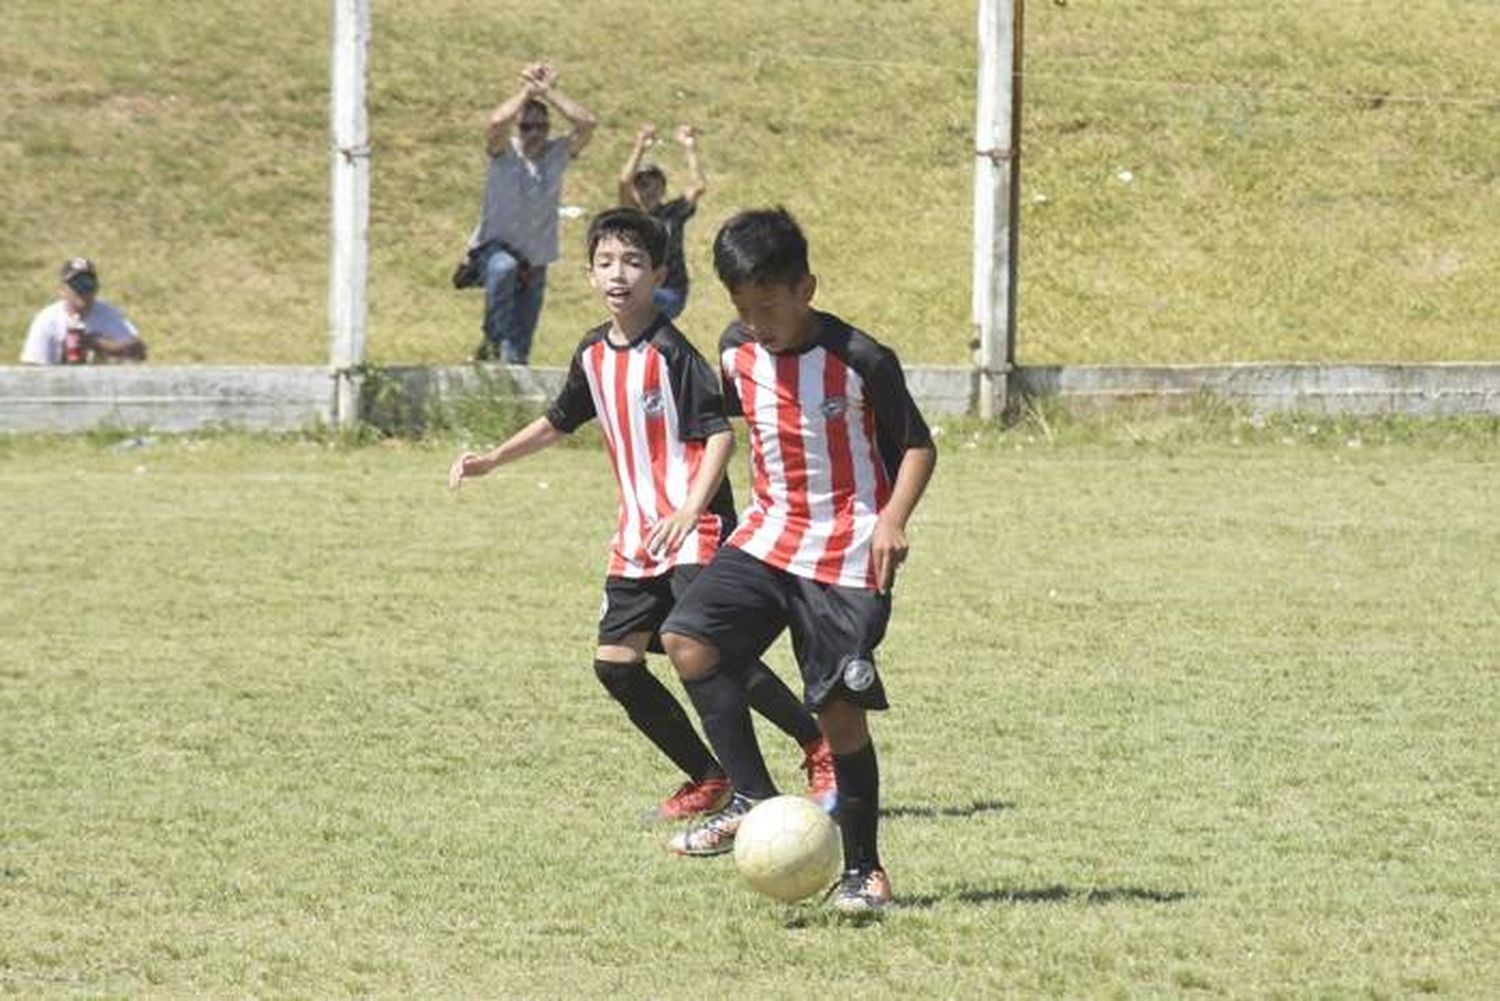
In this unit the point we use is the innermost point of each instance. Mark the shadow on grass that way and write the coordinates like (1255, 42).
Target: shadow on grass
(1059, 894)
(977, 807)
(823, 917)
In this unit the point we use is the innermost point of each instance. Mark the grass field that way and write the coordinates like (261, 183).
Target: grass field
(1308, 181)
(1181, 708)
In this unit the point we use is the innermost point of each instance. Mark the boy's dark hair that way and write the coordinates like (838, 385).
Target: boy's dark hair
(651, 172)
(761, 246)
(633, 228)
(537, 107)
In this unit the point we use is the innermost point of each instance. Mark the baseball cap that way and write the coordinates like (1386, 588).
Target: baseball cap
(78, 274)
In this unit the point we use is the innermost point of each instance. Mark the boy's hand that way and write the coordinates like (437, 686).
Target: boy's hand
(666, 536)
(888, 551)
(646, 137)
(687, 135)
(466, 467)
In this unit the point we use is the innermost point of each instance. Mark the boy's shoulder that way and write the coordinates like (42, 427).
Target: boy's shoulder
(672, 342)
(856, 348)
(591, 337)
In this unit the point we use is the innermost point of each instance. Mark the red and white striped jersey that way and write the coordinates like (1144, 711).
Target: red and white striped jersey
(657, 402)
(829, 426)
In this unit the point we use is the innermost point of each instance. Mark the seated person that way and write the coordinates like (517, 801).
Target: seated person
(79, 327)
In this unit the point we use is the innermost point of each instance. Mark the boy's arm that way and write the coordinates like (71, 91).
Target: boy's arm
(697, 182)
(534, 437)
(889, 546)
(666, 535)
(643, 140)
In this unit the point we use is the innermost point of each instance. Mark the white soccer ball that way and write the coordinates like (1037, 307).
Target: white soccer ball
(787, 848)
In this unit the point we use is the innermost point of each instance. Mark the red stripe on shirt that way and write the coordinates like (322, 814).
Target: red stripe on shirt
(607, 417)
(793, 458)
(741, 373)
(841, 475)
(656, 442)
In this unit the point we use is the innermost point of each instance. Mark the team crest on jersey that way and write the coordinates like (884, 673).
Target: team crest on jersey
(833, 406)
(652, 402)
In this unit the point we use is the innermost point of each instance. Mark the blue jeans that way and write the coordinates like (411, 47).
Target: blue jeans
(671, 301)
(511, 307)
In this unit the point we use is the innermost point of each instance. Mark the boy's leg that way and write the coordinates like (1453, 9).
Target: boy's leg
(654, 711)
(718, 693)
(632, 610)
(771, 697)
(858, 771)
(724, 621)
(835, 631)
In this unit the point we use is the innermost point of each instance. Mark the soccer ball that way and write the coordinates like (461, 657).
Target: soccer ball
(787, 848)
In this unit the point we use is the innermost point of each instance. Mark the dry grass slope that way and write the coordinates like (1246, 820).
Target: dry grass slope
(1307, 180)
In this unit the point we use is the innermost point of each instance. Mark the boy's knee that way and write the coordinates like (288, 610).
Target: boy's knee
(691, 657)
(845, 724)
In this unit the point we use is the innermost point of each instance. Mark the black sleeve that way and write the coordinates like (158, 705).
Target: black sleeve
(897, 419)
(574, 405)
(729, 339)
(700, 401)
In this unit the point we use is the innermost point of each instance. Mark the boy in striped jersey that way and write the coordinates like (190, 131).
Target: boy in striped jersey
(662, 416)
(840, 456)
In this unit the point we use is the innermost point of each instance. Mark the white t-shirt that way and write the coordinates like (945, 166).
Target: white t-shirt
(44, 341)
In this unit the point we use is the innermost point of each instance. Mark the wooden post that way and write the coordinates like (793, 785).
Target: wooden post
(349, 258)
(997, 152)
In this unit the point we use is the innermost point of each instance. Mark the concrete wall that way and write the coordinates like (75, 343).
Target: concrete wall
(164, 398)
(172, 398)
(1421, 390)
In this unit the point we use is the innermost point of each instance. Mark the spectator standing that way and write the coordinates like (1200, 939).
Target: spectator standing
(516, 238)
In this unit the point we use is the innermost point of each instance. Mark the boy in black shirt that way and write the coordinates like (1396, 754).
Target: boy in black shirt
(646, 187)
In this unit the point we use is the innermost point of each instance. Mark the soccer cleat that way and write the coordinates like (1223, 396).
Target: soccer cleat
(861, 891)
(822, 785)
(693, 798)
(713, 834)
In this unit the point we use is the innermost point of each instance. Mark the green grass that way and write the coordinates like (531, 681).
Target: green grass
(1180, 707)
(1311, 181)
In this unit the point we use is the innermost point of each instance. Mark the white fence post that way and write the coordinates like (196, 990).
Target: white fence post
(349, 258)
(997, 139)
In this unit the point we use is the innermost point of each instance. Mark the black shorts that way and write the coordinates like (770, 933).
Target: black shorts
(640, 604)
(741, 605)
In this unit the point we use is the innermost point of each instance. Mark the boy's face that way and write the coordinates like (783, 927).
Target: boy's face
(649, 190)
(623, 276)
(777, 315)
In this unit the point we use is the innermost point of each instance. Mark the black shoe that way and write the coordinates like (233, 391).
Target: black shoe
(861, 891)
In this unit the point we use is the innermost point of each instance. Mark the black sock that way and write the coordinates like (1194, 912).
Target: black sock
(658, 715)
(859, 806)
(771, 697)
(722, 706)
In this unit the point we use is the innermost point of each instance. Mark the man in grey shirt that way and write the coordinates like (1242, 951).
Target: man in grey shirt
(517, 233)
